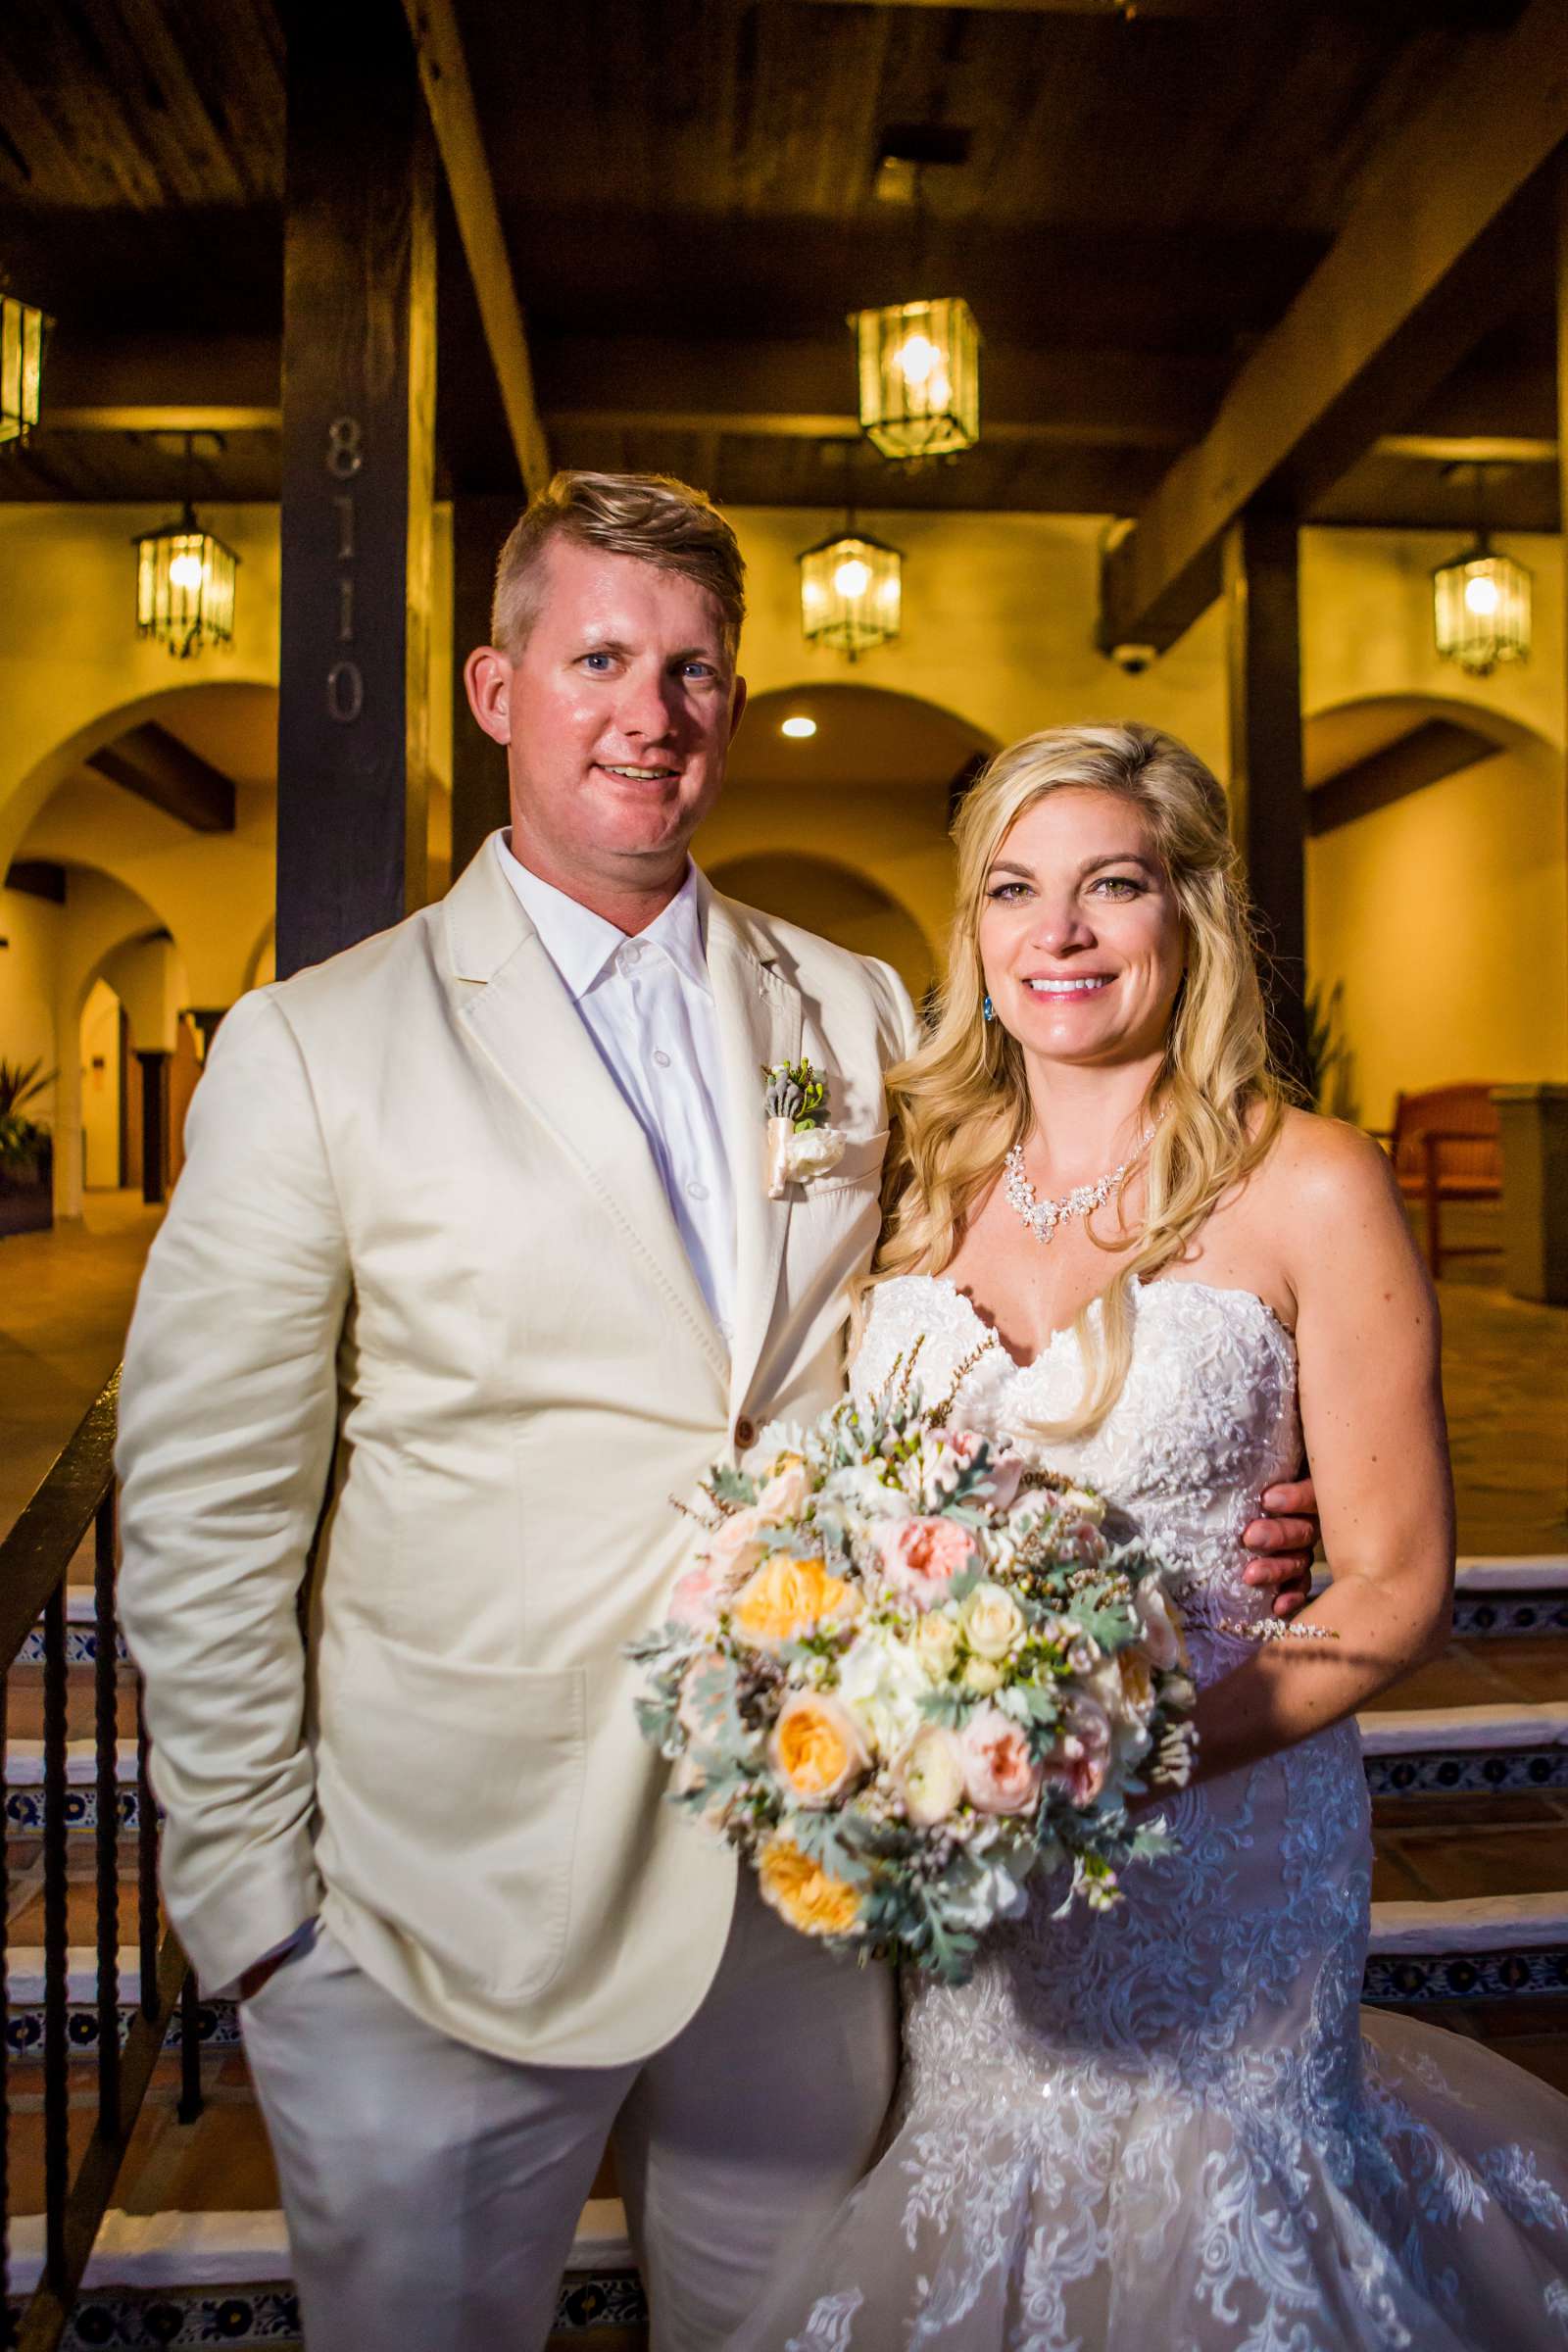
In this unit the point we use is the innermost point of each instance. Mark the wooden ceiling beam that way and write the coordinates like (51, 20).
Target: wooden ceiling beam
(162, 383)
(1423, 263)
(169, 775)
(448, 95)
(1438, 748)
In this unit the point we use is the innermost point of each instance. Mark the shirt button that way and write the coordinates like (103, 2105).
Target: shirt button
(630, 954)
(698, 1192)
(745, 1432)
(660, 1057)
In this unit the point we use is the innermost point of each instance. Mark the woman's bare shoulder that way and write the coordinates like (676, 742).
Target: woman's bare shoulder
(1329, 1193)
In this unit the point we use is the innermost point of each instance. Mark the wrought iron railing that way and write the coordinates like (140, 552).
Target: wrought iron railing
(78, 1496)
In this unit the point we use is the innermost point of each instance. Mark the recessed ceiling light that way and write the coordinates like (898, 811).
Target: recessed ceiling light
(799, 727)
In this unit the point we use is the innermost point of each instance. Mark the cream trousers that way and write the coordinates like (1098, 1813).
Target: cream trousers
(432, 2190)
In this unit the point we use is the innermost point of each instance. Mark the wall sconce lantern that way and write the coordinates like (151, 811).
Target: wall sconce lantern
(852, 591)
(22, 339)
(919, 370)
(1481, 609)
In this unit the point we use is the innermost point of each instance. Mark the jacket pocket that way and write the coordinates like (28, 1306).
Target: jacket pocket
(862, 1163)
(450, 1794)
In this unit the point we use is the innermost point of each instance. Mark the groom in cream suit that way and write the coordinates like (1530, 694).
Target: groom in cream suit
(474, 1235)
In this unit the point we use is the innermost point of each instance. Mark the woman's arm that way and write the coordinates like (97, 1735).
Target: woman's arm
(1371, 1397)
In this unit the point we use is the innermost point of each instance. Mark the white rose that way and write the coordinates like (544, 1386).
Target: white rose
(929, 1776)
(936, 1644)
(1160, 1626)
(992, 1621)
(812, 1150)
(984, 1675)
(882, 1681)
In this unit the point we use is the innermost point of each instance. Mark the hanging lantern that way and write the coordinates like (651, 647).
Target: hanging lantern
(1481, 609)
(919, 366)
(852, 592)
(185, 586)
(21, 338)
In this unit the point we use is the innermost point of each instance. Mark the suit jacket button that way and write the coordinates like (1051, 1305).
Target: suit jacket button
(745, 1432)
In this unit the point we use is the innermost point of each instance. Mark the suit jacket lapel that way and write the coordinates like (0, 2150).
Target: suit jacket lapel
(760, 1018)
(519, 1012)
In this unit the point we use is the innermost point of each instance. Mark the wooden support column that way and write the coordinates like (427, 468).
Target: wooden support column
(359, 454)
(1560, 292)
(154, 1123)
(1268, 789)
(479, 796)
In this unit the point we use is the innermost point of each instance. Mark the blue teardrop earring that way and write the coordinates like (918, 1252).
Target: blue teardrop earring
(988, 1010)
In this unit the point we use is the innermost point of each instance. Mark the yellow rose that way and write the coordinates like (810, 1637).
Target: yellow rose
(786, 1596)
(936, 1646)
(816, 1749)
(803, 1893)
(983, 1675)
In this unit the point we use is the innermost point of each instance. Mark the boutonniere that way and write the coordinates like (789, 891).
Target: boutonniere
(801, 1144)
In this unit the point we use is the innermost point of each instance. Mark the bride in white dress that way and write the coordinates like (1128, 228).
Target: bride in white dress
(1172, 2129)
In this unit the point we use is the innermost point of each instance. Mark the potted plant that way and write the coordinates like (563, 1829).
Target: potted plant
(27, 1158)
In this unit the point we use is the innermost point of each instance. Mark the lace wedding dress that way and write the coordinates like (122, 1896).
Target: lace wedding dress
(1172, 2128)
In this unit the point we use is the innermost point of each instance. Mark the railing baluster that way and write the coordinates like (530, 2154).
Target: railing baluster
(146, 1867)
(55, 2046)
(36, 1556)
(5, 2014)
(106, 1694)
(190, 2051)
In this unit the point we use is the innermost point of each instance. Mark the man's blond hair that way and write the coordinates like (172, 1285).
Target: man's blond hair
(649, 515)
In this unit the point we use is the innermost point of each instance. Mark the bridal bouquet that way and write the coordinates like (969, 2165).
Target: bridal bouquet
(905, 1674)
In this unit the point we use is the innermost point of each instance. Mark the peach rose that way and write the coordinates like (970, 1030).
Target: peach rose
(787, 1491)
(735, 1548)
(816, 1749)
(920, 1557)
(700, 1594)
(929, 1776)
(786, 1598)
(803, 1893)
(1000, 1775)
(1081, 1757)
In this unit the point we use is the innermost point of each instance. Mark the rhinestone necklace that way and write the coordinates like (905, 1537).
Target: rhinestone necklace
(1044, 1216)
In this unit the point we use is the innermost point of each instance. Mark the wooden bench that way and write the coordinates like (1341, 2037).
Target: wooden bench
(1445, 1146)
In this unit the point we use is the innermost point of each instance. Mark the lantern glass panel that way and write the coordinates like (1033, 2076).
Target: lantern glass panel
(21, 333)
(1481, 610)
(852, 592)
(920, 374)
(186, 588)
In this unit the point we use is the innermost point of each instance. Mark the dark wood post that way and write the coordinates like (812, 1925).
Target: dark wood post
(479, 800)
(1268, 788)
(358, 453)
(154, 1123)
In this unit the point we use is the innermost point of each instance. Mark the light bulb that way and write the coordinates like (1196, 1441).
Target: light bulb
(915, 359)
(853, 578)
(1481, 594)
(799, 727)
(185, 571)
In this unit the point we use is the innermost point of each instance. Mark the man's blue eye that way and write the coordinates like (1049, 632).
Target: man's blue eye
(596, 658)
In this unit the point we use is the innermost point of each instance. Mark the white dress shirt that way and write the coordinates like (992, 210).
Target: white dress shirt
(648, 1005)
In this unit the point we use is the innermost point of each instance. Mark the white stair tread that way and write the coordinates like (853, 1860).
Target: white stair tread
(25, 1973)
(1402, 1730)
(24, 1762)
(245, 2249)
(1528, 1572)
(1483, 1922)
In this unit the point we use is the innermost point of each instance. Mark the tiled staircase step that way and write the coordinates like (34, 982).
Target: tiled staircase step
(217, 2022)
(225, 2277)
(1480, 1947)
(1490, 1750)
(1506, 1594)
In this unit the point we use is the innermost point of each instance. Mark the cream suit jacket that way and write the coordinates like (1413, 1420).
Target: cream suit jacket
(418, 1229)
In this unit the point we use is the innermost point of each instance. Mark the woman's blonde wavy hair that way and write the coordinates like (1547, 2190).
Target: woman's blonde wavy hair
(962, 1101)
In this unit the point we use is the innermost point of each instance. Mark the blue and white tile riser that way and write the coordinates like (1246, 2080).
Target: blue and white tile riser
(176, 2316)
